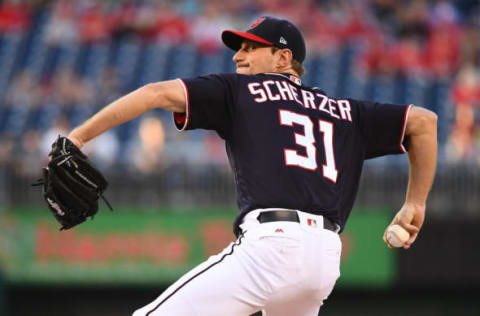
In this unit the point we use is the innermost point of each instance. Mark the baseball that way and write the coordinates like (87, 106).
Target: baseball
(397, 235)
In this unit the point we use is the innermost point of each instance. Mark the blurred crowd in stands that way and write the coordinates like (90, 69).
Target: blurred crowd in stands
(426, 40)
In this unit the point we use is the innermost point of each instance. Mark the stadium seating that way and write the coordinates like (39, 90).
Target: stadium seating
(137, 62)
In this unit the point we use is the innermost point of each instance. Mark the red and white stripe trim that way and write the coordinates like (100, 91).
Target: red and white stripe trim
(183, 118)
(405, 120)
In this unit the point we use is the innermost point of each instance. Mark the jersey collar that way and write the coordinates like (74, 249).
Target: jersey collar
(290, 77)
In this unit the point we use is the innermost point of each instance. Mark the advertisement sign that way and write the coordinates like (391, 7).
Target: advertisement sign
(366, 259)
(156, 247)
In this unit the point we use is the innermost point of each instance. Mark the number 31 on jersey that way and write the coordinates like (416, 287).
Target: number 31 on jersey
(307, 140)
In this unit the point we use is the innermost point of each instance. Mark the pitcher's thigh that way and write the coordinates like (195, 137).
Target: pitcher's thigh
(295, 301)
(216, 287)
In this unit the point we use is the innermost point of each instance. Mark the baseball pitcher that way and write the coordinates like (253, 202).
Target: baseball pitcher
(297, 156)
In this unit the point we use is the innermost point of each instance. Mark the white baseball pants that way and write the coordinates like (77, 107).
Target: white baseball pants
(281, 268)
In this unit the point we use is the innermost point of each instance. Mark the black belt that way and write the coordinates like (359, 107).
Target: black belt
(290, 216)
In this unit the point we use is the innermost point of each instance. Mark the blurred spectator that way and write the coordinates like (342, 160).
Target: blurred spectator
(375, 58)
(145, 151)
(32, 156)
(406, 56)
(15, 16)
(207, 28)
(358, 26)
(62, 28)
(180, 146)
(386, 14)
(324, 38)
(68, 88)
(143, 21)
(169, 26)
(73, 95)
(442, 52)
(443, 13)
(411, 33)
(93, 23)
(18, 103)
(108, 88)
(103, 150)
(470, 46)
(20, 92)
(121, 18)
(466, 97)
(413, 20)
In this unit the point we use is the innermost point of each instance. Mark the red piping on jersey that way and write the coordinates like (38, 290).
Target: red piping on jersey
(183, 118)
(250, 36)
(402, 135)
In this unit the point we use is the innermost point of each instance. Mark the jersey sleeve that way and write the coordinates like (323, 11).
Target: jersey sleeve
(383, 126)
(210, 100)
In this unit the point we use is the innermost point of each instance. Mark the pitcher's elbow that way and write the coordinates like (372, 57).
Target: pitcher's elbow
(420, 121)
(432, 117)
(431, 120)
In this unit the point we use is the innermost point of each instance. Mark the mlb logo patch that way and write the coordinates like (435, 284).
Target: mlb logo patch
(311, 222)
(296, 80)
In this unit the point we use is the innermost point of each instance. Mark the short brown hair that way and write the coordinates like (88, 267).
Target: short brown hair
(296, 65)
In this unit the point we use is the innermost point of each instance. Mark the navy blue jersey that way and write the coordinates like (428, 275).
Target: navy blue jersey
(289, 145)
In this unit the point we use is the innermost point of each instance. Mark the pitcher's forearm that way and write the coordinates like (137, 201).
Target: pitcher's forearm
(120, 111)
(423, 161)
(168, 95)
(422, 155)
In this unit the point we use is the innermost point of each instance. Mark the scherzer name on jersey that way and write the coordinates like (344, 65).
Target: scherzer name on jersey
(275, 90)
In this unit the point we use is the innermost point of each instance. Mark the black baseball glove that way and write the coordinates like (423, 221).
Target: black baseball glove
(71, 184)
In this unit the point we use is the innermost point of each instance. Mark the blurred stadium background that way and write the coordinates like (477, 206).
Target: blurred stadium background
(61, 61)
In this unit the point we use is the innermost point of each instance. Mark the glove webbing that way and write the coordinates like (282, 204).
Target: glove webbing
(41, 182)
(64, 154)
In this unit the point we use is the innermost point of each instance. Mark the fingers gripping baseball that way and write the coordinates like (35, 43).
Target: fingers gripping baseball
(410, 217)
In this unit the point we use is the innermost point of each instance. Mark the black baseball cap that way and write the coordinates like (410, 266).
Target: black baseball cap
(269, 31)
